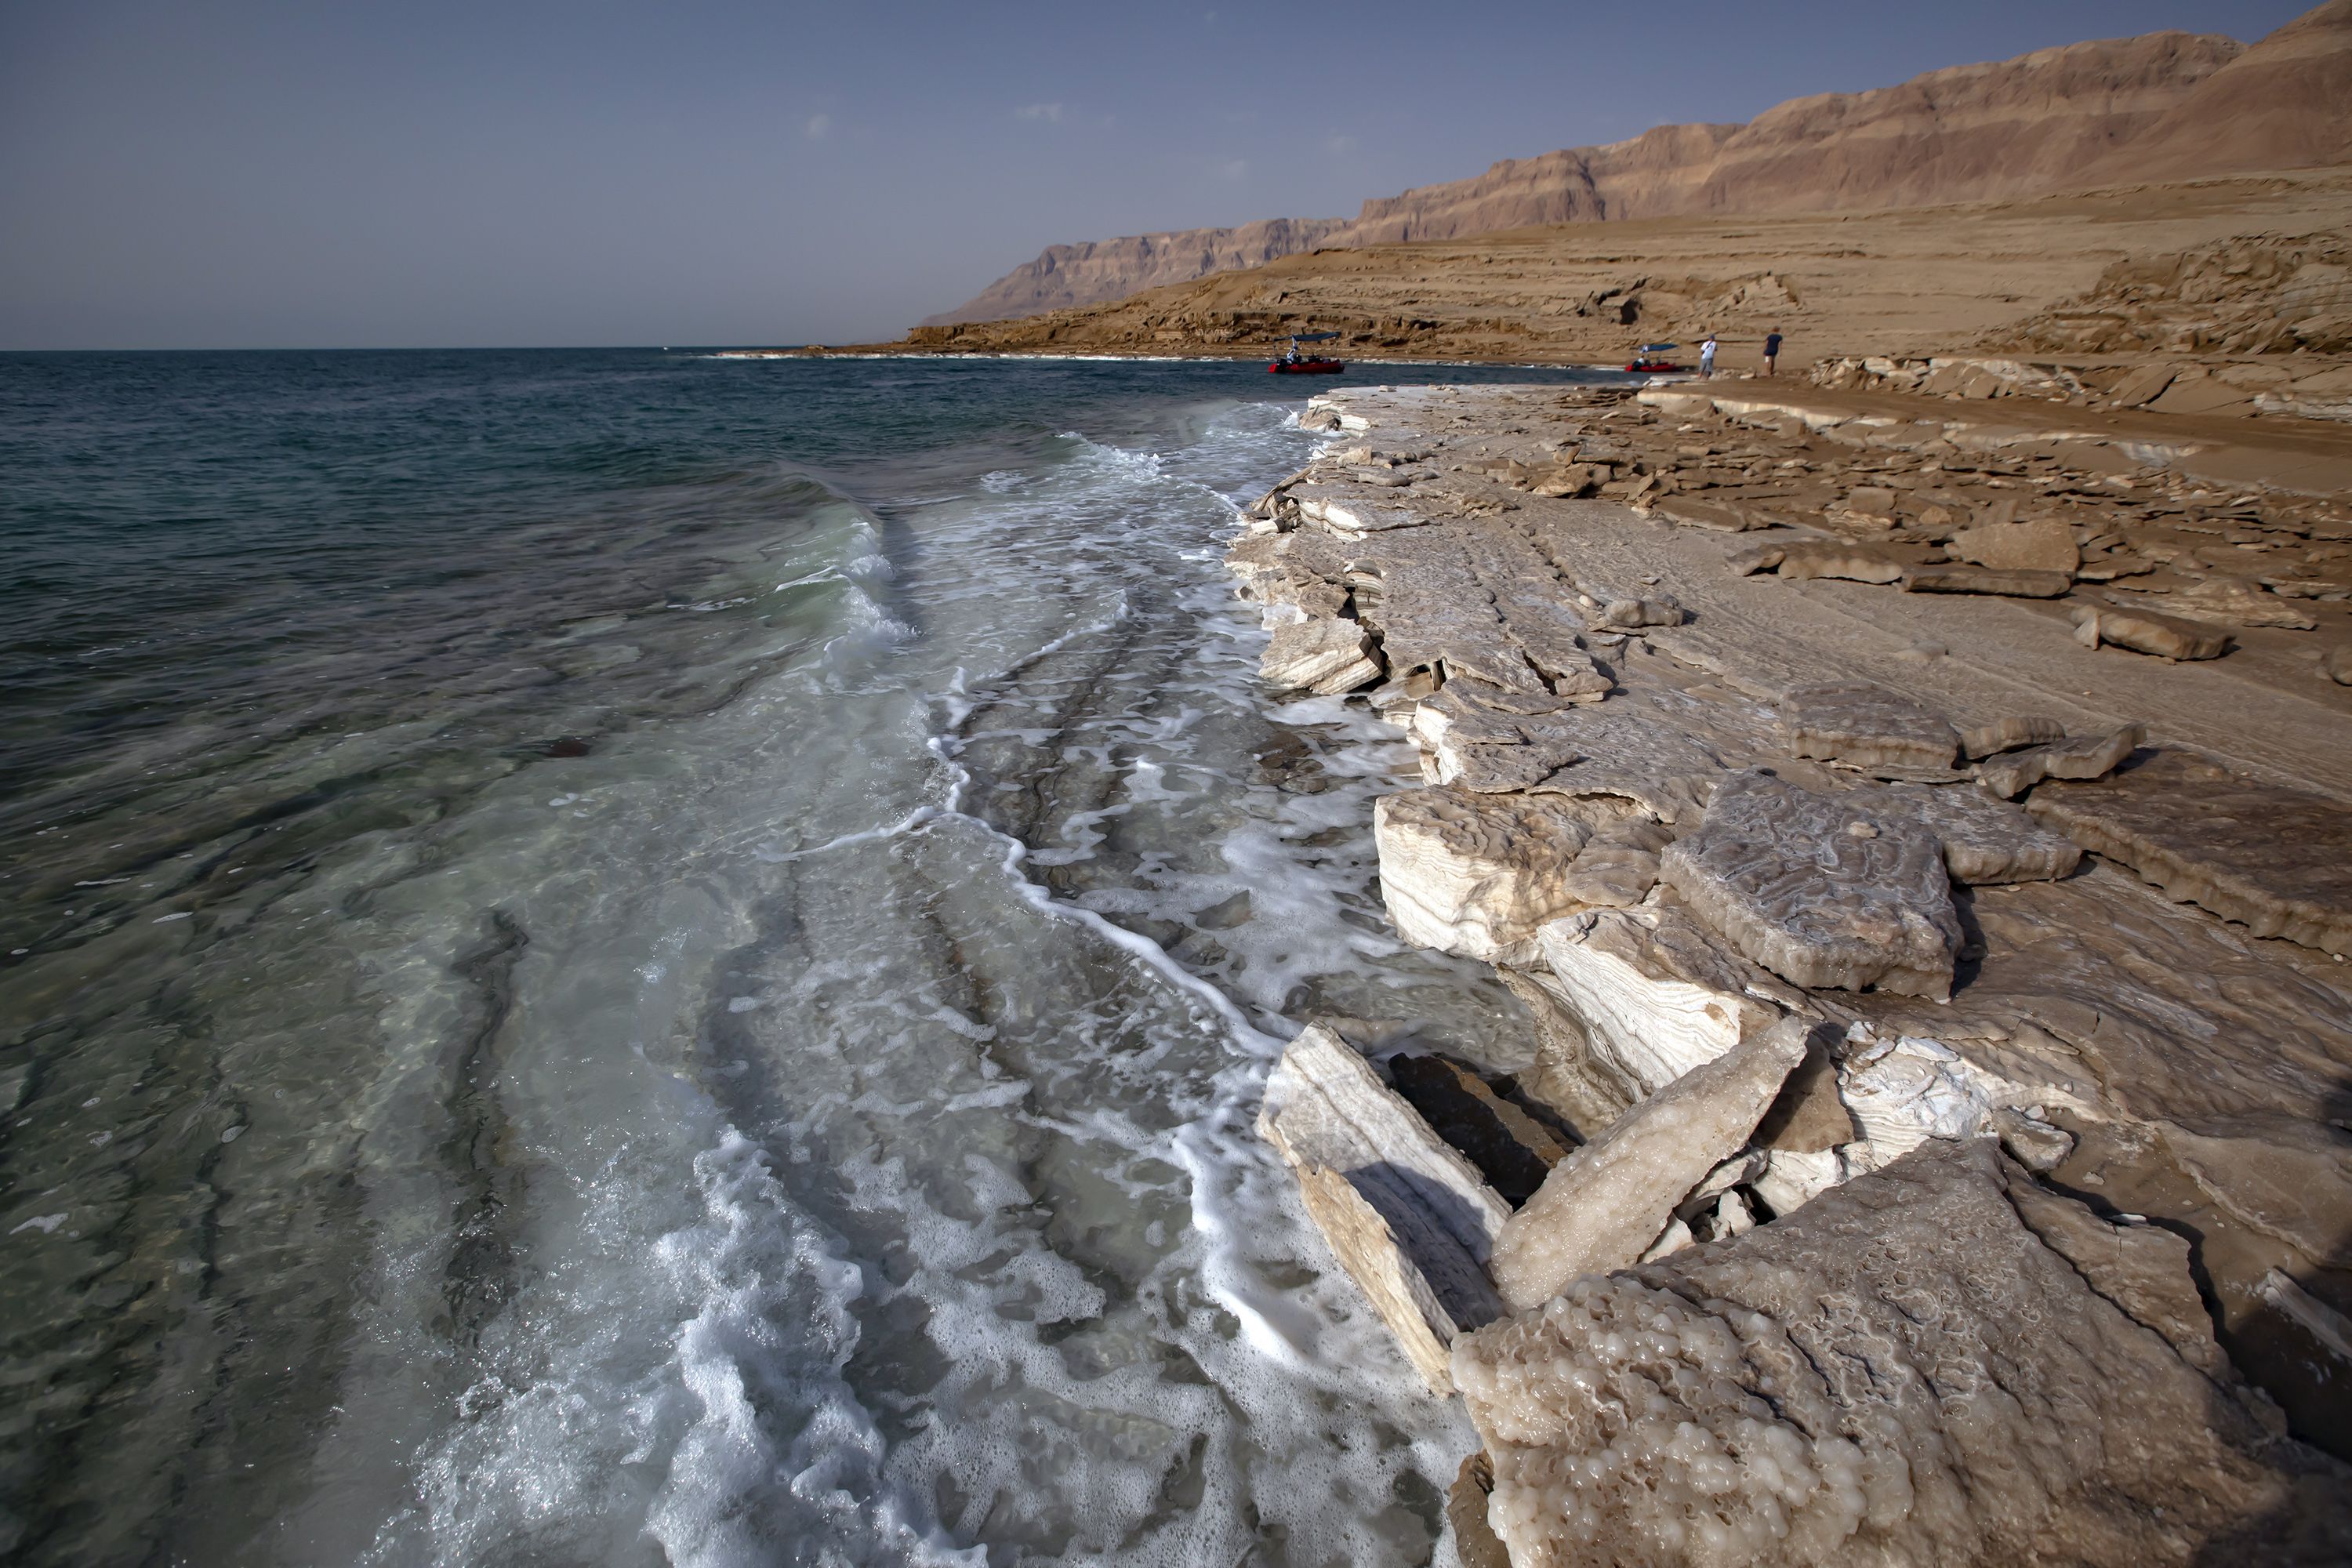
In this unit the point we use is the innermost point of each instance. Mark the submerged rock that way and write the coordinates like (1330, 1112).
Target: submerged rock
(1938, 1362)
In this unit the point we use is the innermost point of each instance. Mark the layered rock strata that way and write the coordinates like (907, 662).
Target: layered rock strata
(1811, 906)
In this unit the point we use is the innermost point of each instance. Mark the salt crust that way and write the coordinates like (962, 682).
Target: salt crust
(1903, 1373)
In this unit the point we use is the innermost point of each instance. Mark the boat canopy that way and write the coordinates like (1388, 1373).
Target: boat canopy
(1658, 348)
(1312, 337)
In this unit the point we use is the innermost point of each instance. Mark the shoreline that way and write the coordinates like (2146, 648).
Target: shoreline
(1671, 657)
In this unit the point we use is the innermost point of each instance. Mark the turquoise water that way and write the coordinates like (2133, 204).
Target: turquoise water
(629, 957)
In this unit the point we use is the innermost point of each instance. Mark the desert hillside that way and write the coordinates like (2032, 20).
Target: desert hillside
(2160, 107)
(1910, 281)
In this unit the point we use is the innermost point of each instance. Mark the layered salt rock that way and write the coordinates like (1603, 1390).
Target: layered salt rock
(1819, 889)
(1410, 1220)
(1601, 1207)
(1904, 1089)
(1655, 993)
(1867, 726)
(2045, 544)
(2091, 756)
(1851, 563)
(1476, 874)
(2007, 733)
(1324, 656)
(1615, 749)
(2277, 860)
(1986, 839)
(2237, 602)
(2143, 631)
(1937, 1362)
(2011, 582)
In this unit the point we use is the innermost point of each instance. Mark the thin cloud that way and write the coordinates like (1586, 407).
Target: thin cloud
(1049, 113)
(1238, 169)
(1339, 146)
(818, 128)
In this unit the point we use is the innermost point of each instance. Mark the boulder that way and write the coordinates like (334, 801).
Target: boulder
(1761, 558)
(1324, 656)
(1602, 1206)
(1939, 1362)
(1818, 889)
(2336, 664)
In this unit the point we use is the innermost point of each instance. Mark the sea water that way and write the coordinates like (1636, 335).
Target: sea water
(629, 957)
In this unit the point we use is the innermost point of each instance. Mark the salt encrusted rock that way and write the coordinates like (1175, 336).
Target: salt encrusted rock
(1818, 890)
(1985, 840)
(1353, 510)
(1475, 874)
(1613, 749)
(2336, 664)
(2278, 860)
(1611, 876)
(2093, 756)
(1851, 562)
(1867, 726)
(1714, 516)
(1322, 657)
(1601, 1207)
(2142, 631)
(1935, 1364)
(1409, 1218)
(1903, 1089)
(1656, 992)
(2013, 583)
(2006, 734)
(2237, 602)
(1761, 558)
(2045, 546)
(1633, 614)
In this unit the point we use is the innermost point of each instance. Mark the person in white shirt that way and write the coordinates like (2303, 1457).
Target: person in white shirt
(1707, 356)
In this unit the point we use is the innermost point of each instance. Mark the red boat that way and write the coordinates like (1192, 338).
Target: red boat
(1650, 357)
(1295, 363)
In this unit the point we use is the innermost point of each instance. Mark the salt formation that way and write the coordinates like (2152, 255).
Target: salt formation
(1818, 890)
(1604, 1205)
(1319, 656)
(1935, 1364)
(1867, 726)
(1406, 1215)
(1475, 874)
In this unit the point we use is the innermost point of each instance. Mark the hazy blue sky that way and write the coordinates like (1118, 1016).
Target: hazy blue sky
(193, 174)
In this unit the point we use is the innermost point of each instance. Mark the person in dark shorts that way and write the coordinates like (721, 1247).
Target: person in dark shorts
(1772, 352)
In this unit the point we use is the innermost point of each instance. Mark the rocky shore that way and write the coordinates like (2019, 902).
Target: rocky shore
(1921, 839)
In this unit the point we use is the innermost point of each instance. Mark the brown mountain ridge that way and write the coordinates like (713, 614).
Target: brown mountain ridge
(2161, 106)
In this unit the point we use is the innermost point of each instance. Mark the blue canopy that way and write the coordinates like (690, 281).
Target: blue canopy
(1658, 348)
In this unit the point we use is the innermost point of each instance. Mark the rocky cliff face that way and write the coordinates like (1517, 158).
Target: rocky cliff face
(1099, 269)
(2164, 106)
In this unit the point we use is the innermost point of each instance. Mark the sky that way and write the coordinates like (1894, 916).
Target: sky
(202, 174)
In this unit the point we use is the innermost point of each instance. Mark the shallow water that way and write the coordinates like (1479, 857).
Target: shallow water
(633, 958)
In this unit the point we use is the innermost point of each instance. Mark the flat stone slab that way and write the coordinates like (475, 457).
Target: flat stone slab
(1325, 657)
(2143, 631)
(1411, 1221)
(1851, 563)
(2277, 860)
(1867, 726)
(1818, 889)
(1941, 1362)
(1985, 838)
(2012, 583)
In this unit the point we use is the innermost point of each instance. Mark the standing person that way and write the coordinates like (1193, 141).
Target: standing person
(1707, 356)
(1772, 352)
